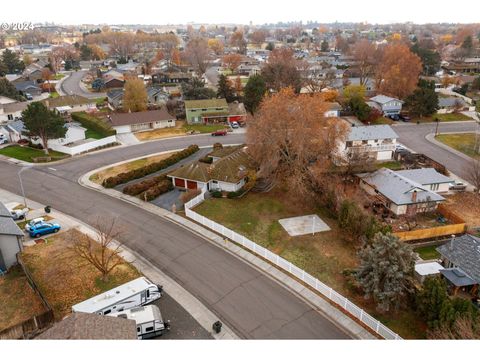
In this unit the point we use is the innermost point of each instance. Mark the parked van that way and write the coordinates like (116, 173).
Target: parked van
(138, 292)
(148, 318)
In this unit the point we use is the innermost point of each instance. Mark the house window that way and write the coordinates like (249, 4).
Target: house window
(107, 312)
(349, 143)
(434, 187)
(364, 142)
(149, 329)
(10, 117)
(204, 109)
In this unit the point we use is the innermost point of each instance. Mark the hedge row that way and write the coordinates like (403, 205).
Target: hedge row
(93, 123)
(235, 194)
(139, 187)
(122, 178)
(155, 191)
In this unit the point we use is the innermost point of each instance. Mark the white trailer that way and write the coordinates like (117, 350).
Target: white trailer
(135, 293)
(148, 318)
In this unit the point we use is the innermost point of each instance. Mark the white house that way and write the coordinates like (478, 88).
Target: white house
(428, 178)
(70, 103)
(333, 110)
(226, 174)
(11, 111)
(11, 238)
(141, 121)
(386, 104)
(378, 140)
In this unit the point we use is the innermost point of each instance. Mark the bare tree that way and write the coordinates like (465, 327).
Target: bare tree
(197, 53)
(103, 254)
(364, 54)
(473, 174)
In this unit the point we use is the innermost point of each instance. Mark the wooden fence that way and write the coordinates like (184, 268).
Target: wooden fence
(459, 227)
(31, 327)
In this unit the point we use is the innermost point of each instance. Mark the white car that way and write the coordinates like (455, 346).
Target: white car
(34, 222)
(3, 139)
(19, 214)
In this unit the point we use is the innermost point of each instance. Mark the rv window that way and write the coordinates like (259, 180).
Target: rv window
(107, 312)
(149, 329)
(123, 316)
(138, 329)
(148, 293)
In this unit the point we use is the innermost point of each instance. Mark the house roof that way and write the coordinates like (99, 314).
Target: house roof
(205, 104)
(225, 151)
(230, 168)
(11, 108)
(464, 252)
(68, 100)
(119, 119)
(7, 225)
(451, 102)
(425, 176)
(429, 268)
(83, 326)
(334, 106)
(398, 188)
(25, 85)
(457, 277)
(383, 99)
(115, 94)
(372, 132)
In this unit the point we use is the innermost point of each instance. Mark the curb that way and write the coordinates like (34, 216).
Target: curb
(332, 313)
(431, 138)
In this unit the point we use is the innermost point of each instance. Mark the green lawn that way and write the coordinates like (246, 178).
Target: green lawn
(53, 95)
(428, 252)
(204, 129)
(92, 134)
(325, 255)
(443, 118)
(392, 165)
(58, 76)
(27, 153)
(383, 121)
(464, 143)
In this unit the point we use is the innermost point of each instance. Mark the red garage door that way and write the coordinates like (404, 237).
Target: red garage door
(191, 185)
(179, 183)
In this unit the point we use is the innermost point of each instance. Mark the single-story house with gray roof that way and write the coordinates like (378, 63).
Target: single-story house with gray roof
(377, 140)
(11, 238)
(399, 194)
(141, 121)
(429, 178)
(386, 104)
(461, 259)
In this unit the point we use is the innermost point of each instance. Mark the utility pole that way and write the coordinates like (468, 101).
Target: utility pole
(21, 184)
(437, 120)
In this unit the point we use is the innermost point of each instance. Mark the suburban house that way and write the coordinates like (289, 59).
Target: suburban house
(468, 65)
(206, 111)
(141, 121)
(461, 259)
(237, 112)
(70, 103)
(34, 71)
(399, 194)
(83, 326)
(12, 111)
(156, 96)
(386, 104)
(428, 178)
(334, 109)
(28, 87)
(165, 77)
(113, 79)
(376, 140)
(226, 174)
(11, 238)
(450, 104)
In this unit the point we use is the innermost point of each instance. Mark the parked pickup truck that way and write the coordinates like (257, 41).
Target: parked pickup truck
(458, 186)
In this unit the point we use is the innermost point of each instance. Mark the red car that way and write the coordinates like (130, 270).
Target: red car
(219, 133)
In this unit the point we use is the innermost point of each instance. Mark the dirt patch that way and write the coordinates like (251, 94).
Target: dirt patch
(18, 301)
(66, 279)
(178, 130)
(132, 165)
(467, 206)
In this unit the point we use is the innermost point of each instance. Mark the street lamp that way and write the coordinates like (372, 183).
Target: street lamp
(21, 183)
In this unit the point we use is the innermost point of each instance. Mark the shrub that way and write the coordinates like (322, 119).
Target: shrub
(122, 178)
(206, 160)
(216, 194)
(217, 146)
(235, 194)
(139, 187)
(155, 191)
(93, 123)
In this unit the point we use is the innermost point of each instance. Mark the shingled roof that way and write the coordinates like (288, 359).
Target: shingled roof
(7, 225)
(141, 117)
(464, 252)
(206, 104)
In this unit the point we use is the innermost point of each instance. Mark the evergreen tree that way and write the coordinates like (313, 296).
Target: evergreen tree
(225, 89)
(431, 300)
(11, 62)
(270, 46)
(7, 89)
(423, 102)
(254, 92)
(40, 122)
(324, 47)
(386, 270)
(430, 59)
(196, 90)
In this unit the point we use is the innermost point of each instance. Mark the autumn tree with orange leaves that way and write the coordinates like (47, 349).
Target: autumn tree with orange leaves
(397, 71)
(232, 61)
(283, 70)
(290, 138)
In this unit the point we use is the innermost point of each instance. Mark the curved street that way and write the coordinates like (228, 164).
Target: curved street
(251, 303)
(71, 86)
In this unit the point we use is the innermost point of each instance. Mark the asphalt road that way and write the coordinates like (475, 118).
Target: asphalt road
(71, 86)
(251, 303)
(413, 136)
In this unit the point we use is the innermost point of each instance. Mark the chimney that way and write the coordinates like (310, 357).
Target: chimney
(451, 242)
(414, 196)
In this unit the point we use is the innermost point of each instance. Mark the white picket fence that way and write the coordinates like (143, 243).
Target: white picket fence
(325, 290)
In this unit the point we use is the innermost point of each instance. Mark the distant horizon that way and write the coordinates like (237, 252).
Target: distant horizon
(215, 12)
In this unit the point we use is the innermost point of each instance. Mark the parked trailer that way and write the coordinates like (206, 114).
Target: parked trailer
(148, 318)
(138, 292)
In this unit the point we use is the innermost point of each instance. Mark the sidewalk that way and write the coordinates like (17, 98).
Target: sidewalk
(313, 299)
(192, 305)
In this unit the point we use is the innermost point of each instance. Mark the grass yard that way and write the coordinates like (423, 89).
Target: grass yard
(17, 299)
(66, 279)
(428, 252)
(92, 134)
(461, 142)
(324, 255)
(58, 76)
(383, 121)
(53, 95)
(204, 129)
(443, 118)
(27, 154)
(132, 165)
(392, 165)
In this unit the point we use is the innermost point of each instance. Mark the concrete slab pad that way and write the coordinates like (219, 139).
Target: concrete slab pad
(303, 225)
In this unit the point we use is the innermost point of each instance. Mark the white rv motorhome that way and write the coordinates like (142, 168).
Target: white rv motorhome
(148, 318)
(135, 293)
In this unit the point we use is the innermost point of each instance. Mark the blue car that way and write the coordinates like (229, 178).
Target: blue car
(43, 228)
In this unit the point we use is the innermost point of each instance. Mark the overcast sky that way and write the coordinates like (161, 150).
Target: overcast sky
(239, 11)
